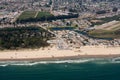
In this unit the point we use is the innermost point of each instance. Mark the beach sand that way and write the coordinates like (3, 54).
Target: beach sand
(54, 53)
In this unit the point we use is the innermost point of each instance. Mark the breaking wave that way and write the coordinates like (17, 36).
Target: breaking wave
(116, 60)
(31, 63)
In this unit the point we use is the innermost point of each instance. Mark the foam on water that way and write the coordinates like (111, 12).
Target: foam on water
(116, 60)
(31, 63)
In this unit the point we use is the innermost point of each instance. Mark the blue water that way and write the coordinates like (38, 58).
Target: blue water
(87, 69)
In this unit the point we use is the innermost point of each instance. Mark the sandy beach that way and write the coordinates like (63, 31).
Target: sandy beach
(53, 53)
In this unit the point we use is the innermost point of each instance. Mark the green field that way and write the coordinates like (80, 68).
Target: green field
(43, 14)
(26, 15)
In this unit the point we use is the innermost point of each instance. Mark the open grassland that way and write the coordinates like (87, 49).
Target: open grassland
(107, 30)
(113, 25)
(105, 20)
(114, 34)
(116, 27)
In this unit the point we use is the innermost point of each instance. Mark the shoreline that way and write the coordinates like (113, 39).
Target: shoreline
(56, 54)
(64, 58)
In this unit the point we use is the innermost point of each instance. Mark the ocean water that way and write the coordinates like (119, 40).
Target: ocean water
(82, 69)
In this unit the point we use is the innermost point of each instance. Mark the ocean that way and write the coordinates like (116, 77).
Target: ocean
(82, 69)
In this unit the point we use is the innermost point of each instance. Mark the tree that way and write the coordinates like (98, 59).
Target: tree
(115, 9)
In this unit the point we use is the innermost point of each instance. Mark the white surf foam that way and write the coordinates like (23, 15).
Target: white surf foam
(116, 60)
(108, 61)
(28, 63)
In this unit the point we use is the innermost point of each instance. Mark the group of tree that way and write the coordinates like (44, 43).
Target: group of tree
(47, 18)
(23, 37)
(101, 12)
(115, 9)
